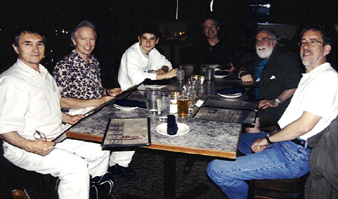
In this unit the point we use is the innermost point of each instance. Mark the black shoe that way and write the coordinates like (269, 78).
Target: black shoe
(124, 172)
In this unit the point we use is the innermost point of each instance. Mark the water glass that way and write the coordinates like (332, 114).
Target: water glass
(163, 107)
(209, 74)
(173, 102)
(152, 96)
(192, 99)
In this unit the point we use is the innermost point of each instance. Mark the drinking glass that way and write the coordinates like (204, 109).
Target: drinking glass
(173, 102)
(152, 96)
(163, 107)
(183, 104)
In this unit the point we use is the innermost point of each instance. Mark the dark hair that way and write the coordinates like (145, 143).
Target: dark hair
(321, 29)
(269, 31)
(210, 18)
(82, 24)
(16, 36)
(149, 28)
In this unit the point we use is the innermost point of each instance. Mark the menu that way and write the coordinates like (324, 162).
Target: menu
(228, 110)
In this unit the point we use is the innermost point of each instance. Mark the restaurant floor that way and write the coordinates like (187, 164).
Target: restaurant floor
(146, 184)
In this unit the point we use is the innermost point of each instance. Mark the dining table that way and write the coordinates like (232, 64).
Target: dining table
(217, 139)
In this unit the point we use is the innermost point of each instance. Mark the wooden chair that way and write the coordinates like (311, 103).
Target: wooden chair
(273, 189)
(19, 194)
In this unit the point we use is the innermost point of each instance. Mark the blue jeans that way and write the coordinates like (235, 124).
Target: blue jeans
(281, 160)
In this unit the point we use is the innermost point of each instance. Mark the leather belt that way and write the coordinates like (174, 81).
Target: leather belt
(299, 142)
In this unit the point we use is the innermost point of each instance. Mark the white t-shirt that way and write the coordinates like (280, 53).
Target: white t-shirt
(317, 93)
(29, 101)
(135, 65)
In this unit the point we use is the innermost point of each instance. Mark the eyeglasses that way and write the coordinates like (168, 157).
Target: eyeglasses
(263, 41)
(312, 42)
(38, 135)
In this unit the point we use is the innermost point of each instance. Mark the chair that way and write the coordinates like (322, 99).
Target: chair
(273, 189)
(19, 194)
(15, 178)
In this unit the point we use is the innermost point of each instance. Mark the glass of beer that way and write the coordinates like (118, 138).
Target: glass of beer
(183, 104)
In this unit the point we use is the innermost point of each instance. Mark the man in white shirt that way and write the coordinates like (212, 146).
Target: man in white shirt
(285, 155)
(30, 102)
(142, 59)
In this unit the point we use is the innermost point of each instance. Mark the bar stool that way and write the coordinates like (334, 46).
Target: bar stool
(282, 187)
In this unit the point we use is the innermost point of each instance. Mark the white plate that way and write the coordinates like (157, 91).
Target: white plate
(125, 108)
(155, 86)
(234, 95)
(220, 76)
(182, 129)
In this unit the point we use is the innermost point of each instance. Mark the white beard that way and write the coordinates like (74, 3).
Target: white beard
(264, 54)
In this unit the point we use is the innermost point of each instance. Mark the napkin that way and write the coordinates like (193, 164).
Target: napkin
(130, 103)
(171, 125)
(226, 91)
(156, 82)
(220, 72)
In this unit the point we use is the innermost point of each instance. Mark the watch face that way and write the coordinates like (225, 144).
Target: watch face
(277, 101)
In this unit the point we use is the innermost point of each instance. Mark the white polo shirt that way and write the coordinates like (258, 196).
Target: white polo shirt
(29, 101)
(317, 93)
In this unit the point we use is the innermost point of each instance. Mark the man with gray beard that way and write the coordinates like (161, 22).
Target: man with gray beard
(277, 75)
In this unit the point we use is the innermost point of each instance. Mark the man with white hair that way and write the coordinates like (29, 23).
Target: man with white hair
(277, 75)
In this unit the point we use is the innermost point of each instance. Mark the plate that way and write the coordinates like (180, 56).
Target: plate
(125, 108)
(234, 95)
(182, 129)
(220, 76)
(155, 86)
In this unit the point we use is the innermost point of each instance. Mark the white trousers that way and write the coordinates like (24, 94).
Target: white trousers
(72, 161)
(122, 158)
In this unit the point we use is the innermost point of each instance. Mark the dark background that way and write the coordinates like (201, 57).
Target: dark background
(117, 21)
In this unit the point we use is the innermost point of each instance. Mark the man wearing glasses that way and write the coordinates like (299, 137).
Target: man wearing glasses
(285, 154)
(31, 117)
(277, 74)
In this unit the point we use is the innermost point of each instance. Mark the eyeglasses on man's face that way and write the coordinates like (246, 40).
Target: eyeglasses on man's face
(311, 42)
(263, 41)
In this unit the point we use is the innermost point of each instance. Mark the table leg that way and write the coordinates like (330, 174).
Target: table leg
(169, 175)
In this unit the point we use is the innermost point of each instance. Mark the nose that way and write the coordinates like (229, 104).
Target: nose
(36, 48)
(148, 41)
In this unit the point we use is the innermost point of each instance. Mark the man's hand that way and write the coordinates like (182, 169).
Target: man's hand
(71, 119)
(114, 92)
(247, 78)
(172, 73)
(40, 146)
(232, 68)
(267, 103)
(259, 145)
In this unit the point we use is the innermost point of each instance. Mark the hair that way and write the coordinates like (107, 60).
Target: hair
(321, 29)
(150, 28)
(271, 33)
(83, 24)
(210, 18)
(16, 36)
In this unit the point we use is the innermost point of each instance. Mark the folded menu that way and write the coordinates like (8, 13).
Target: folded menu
(156, 82)
(130, 103)
(221, 72)
(127, 132)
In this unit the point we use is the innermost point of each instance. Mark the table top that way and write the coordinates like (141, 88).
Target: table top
(211, 138)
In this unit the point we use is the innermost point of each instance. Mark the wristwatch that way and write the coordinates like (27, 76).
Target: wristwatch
(267, 137)
(277, 101)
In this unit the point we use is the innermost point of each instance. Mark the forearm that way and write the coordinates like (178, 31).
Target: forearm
(78, 103)
(15, 139)
(285, 95)
(297, 128)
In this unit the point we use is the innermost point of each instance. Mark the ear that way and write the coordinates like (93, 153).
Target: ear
(158, 39)
(16, 49)
(139, 39)
(218, 28)
(274, 43)
(327, 49)
(74, 42)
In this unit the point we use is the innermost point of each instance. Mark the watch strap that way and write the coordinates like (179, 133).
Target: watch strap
(267, 137)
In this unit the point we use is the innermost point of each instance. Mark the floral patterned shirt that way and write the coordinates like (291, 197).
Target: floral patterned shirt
(77, 79)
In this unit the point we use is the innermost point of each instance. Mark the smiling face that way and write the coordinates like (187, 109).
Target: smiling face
(264, 45)
(84, 42)
(313, 55)
(210, 29)
(31, 49)
(147, 42)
